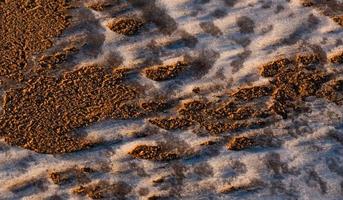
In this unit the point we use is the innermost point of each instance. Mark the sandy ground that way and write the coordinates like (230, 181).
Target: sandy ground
(182, 99)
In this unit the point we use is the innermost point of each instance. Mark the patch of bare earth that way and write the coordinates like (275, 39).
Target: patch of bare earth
(164, 72)
(332, 8)
(294, 79)
(213, 117)
(126, 25)
(291, 80)
(240, 143)
(99, 5)
(71, 175)
(336, 58)
(156, 153)
(31, 20)
(104, 189)
(43, 115)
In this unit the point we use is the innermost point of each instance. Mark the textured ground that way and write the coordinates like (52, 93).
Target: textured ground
(182, 99)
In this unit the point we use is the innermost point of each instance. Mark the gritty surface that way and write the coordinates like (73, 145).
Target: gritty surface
(185, 99)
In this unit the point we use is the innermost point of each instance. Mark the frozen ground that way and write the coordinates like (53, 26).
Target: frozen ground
(234, 38)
